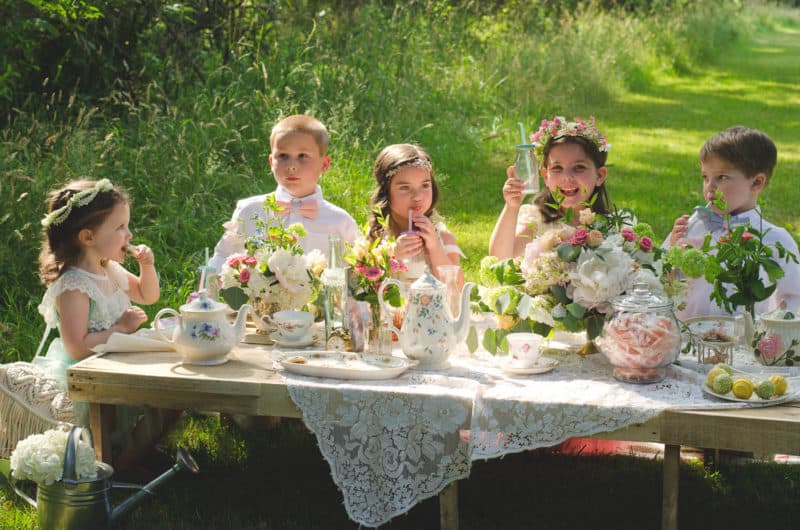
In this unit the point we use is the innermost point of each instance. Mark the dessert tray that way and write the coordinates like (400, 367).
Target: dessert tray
(344, 365)
(754, 399)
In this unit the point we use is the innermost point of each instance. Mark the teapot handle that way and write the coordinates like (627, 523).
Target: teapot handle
(386, 307)
(157, 328)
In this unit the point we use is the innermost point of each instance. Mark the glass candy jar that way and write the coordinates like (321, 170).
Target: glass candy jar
(641, 336)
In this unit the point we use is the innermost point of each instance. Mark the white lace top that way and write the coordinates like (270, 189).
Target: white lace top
(106, 292)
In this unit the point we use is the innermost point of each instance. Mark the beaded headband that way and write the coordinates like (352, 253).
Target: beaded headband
(418, 162)
(559, 127)
(82, 198)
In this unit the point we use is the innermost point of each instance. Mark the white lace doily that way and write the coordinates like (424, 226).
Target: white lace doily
(392, 444)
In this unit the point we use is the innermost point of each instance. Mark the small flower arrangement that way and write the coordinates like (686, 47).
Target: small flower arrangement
(40, 458)
(566, 278)
(372, 262)
(559, 126)
(272, 267)
(734, 265)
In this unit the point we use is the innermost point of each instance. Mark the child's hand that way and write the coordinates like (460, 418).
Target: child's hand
(679, 229)
(512, 189)
(131, 319)
(143, 254)
(426, 230)
(408, 245)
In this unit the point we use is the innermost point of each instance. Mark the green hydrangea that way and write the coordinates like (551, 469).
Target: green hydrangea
(693, 263)
(486, 274)
(644, 229)
(493, 294)
(674, 256)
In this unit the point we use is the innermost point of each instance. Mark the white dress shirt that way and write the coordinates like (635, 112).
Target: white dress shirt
(330, 220)
(698, 302)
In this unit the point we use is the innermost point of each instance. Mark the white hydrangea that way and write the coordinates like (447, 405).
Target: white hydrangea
(40, 458)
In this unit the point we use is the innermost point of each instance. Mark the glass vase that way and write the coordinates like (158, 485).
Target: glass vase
(379, 337)
(262, 308)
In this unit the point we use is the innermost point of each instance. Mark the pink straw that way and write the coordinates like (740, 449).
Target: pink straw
(410, 221)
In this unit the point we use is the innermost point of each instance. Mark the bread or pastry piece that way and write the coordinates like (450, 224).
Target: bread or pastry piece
(297, 360)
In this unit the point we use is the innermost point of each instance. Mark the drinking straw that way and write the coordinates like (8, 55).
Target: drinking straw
(522, 132)
(410, 220)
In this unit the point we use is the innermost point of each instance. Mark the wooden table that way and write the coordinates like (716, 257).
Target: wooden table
(249, 385)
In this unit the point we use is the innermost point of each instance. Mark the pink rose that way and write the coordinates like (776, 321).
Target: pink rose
(234, 262)
(595, 238)
(747, 236)
(244, 275)
(770, 346)
(397, 265)
(579, 237)
(250, 261)
(646, 244)
(628, 234)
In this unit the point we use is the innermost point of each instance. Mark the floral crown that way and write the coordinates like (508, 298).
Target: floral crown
(417, 162)
(559, 127)
(82, 198)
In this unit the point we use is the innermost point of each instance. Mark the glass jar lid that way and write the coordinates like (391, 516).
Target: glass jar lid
(641, 299)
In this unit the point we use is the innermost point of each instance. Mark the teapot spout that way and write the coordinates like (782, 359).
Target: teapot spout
(241, 320)
(462, 324)
(183, 461)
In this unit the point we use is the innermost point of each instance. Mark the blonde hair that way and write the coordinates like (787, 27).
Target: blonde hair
(301, 123)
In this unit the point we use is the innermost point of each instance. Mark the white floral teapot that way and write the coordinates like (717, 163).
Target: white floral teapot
(429, 332)
(203, 334)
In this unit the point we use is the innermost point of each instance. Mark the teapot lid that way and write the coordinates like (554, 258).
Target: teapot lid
(641, 299)
(427, 282)
(203, 304)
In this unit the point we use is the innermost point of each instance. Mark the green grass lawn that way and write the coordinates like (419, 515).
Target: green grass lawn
(459, 89)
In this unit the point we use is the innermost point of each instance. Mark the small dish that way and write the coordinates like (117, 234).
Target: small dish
(543, 365)
(754, 399)
(308, 340)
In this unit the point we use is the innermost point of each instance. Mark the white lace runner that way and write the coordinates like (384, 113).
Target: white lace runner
(391, 444)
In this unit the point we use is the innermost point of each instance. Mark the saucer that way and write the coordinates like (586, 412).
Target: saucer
(543, 365)
(308, 340)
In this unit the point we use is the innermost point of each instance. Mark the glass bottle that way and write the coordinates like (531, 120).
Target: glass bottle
(449, 276)
(335, 290)
(527, 169)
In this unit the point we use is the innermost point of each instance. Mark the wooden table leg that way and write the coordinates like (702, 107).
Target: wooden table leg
(669, 502)
(100, 416)
(448, 507)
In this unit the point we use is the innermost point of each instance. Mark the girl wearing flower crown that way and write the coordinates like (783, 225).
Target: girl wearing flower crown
(573, 166)
(88, 296)
(406, 197)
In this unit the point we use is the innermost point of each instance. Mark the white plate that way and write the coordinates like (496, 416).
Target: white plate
(302, 343)
(754, 399)
(345, 365)
(543, 365)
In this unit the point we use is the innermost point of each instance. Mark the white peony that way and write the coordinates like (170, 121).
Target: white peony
(599, 276)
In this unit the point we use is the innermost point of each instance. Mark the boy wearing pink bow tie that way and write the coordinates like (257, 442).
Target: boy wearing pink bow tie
(298, 157)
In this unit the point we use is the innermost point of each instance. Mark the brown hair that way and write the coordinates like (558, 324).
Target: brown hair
(750, 150)
(60, 246)
(391, 159)
(300, 123)
(545, 201)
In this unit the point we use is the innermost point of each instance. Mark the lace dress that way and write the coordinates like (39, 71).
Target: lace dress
(108, 300)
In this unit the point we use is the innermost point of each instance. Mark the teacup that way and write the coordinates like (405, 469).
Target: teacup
(523, 349)
(292, 326)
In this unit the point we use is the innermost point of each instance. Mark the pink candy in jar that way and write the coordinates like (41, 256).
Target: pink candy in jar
(641, 337)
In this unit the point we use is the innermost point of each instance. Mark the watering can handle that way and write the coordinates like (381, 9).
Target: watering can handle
(70, 453)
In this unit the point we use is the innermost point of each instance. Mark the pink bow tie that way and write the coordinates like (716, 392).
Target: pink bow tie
(307, 209)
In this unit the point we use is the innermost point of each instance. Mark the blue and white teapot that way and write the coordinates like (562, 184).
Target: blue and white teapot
(429, 332)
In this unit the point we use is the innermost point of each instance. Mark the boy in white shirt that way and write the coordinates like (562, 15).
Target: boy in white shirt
(298, 157)
(738, 163)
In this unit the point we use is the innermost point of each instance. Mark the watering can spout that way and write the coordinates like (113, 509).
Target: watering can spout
(183, 460)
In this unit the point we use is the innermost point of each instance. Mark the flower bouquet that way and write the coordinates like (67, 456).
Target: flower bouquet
(372, 262)
(40, 458)
(566, 277)
(272, 273)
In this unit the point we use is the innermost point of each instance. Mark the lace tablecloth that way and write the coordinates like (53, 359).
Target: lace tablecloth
(392, 444)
